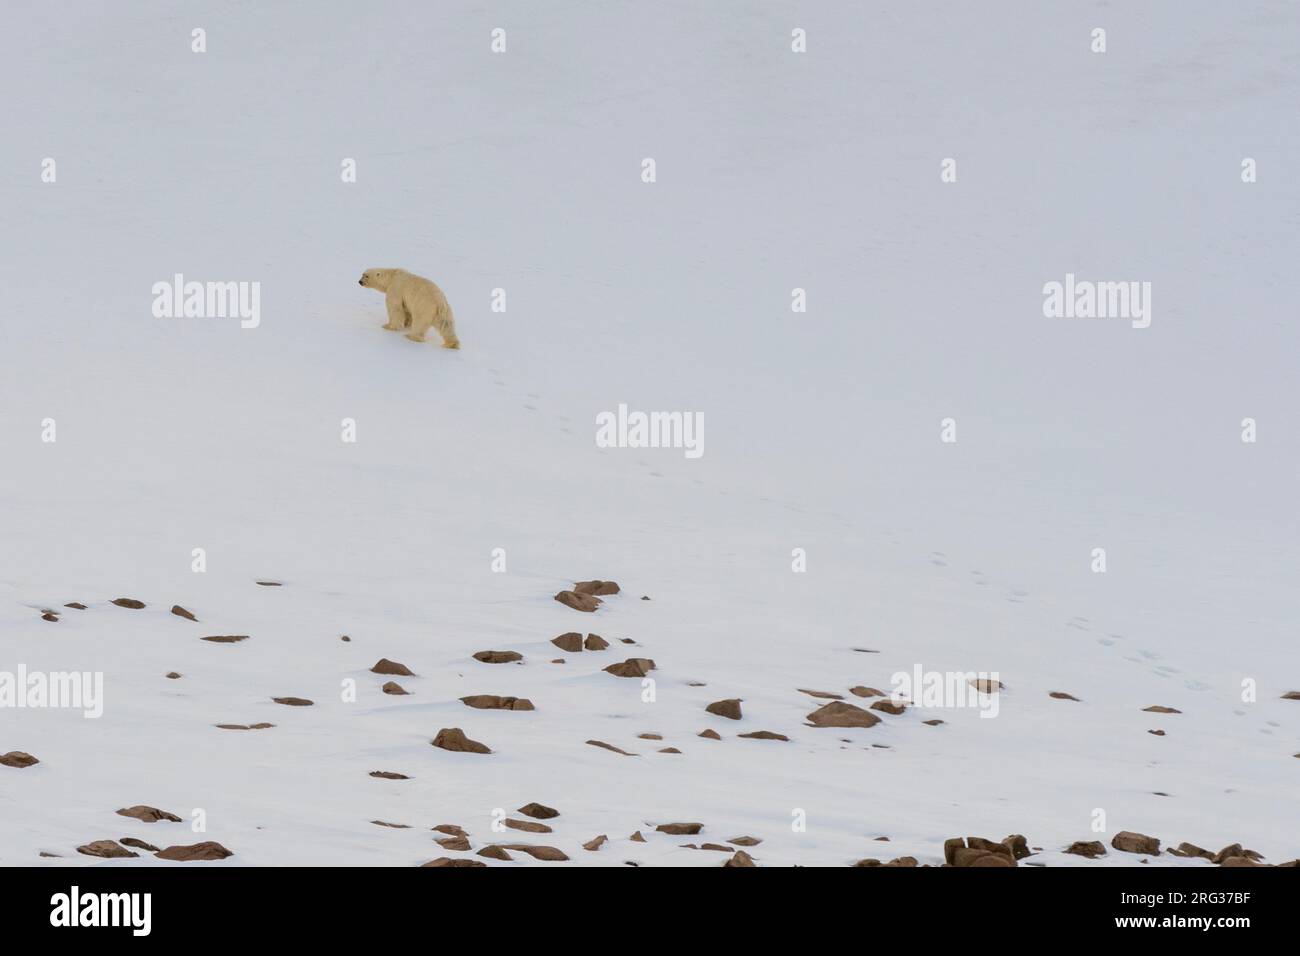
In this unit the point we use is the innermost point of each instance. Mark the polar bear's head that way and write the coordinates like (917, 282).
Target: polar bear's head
(375, 279)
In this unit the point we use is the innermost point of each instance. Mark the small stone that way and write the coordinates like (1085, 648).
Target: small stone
(841, 714)
(293, 701)
(595, 642)
(1130, 842)
(147, 814)
(571, 642)
(207, 850)
(134, 605)
(1160, 709)
(596, 843)
(729, 708)
(498, 657)
(392, 687)
(391, 668)
(605, 746)
(539, 811)
(714, 735)
(680, 829)
(764, 735)
(448, 861)
(108, 849)
(579, 602)
(454, 739)
(596, 587)
(740, 858)
(181, 612)
(389, 775)
(18, 759)
(632, 667)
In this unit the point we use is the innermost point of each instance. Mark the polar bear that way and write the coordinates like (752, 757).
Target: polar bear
(415, 302)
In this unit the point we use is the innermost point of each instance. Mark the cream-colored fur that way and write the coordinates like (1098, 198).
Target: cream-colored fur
(415, 302)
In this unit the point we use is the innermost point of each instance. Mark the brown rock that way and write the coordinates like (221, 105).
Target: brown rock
(932, 722)
(571, 642)
(637, 837)
(528, 826)
(602, 744)
(498, 657)
(539, 811)
(1130, 842)
(889, 707)
(1192, 850)
(903, 861)
(490, 702)
(225, 638)
(134, 605)
(448, 861)
(595, 642)
(841, 714)
(867, 692)
(729, 708)
(821, 694)
(714, 735)
(986, 685)
(650, 736)
(596, 843)
(207, 850)
(453, 843)
(50, 616)
(18, 759)
(181, 612)
(454, 739)
(451, 829)
(546, 853)
(262, 726)
(108, 849)
(392, 687)
(495, 853)
(269, 584)
(745, 841)
(76, 606)
(1157, 733)
(764, 735)
(740, 858)
(138, 844)
(293, 701)
(148, 814)
(1291, 695)
(391, 826)
(680, 829)
(596, 587)
(1061, 695)
(579, 602)
(1234, 850)
(173, 675)
(1159, 709)
(632, 667)
(669, 750)
(1018, 845)
(391, 668)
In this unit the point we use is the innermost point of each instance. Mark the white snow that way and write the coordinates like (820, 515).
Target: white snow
(775, 170)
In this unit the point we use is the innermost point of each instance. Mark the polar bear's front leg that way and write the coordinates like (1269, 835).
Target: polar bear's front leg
(396, 314)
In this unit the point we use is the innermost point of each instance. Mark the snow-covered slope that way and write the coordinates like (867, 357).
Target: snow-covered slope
(775, 170)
